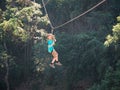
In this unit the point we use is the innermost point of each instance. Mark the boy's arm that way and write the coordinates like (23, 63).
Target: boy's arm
(54, 38)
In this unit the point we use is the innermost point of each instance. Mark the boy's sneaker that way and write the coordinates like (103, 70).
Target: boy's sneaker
(52, 65)
(58, 63)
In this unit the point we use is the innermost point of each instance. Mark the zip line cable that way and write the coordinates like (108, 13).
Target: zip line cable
(80, 15)
(87, 11)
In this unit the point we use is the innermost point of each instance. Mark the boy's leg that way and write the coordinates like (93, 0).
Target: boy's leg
(53, 60)
(55, 55)
(52, 63)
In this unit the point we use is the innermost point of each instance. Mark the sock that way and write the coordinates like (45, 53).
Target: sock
(57, 61)
(52, 63)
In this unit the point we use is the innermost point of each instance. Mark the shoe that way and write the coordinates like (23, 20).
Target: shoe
(52, 65)
(58, 63)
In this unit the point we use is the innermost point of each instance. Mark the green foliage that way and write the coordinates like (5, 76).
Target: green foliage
(16, 19)
(4, 57)
(40, 56)
(115, 37)
(111, 80)
(13, 26)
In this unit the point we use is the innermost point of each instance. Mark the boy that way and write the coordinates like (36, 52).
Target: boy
(51, 42)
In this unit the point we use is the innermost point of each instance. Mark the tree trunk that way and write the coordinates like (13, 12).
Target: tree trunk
(7, 74)
(7, 69)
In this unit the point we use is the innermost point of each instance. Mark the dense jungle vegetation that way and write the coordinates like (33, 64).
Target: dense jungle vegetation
(89, 47)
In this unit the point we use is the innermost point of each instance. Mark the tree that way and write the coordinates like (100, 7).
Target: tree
(21, 20)
(112, 73)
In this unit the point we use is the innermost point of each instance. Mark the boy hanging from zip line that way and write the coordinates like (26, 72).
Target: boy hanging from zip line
(51, 42)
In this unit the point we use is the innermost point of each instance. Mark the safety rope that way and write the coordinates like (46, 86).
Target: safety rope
(87, 11)
(52, 28)
(45, 3)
